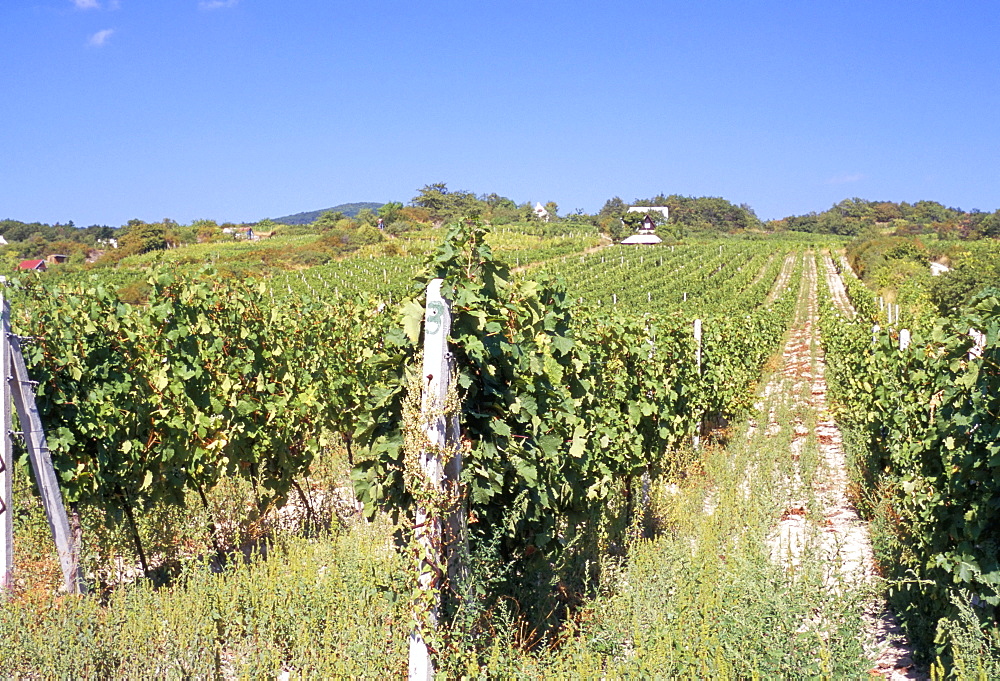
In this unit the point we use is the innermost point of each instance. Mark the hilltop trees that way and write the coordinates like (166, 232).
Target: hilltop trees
(390, 212)
(142, 237)
(854, 216)
(687, 214)
(445, 205)
(441, 205)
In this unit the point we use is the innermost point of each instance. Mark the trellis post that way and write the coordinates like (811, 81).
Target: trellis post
(696, 440)
(6, 460)
(978, 343)
(19, 386)
(442, 475)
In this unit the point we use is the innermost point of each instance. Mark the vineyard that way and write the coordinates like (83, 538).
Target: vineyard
(648, 446)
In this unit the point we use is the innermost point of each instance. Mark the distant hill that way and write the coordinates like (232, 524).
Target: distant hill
(348, 209)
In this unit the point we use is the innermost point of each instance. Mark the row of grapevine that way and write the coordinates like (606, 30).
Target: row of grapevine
(563, 402)
(147, 404)
(700, 280)
(921, 426)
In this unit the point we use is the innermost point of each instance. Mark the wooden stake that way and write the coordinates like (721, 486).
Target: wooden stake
(696, 440)
(428, 525)
(978, 343)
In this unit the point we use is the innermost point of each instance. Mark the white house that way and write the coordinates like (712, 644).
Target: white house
(541, 213)
(646, 234)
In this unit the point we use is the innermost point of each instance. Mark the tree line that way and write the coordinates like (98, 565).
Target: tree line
(435, 204)
(854, 216)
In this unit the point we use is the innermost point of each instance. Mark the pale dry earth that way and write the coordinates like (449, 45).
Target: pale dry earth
(821, 517)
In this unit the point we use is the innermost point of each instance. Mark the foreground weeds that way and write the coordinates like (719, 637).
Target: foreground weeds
(700, 597)
(691, 586)
(704, 599)
(320, 607)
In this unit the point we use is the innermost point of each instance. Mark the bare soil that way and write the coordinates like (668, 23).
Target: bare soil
(821, 514)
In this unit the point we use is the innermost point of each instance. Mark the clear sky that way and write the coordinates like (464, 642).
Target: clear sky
(243, 109)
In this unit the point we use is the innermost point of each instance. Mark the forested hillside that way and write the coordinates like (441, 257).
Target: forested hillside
(853, 216)
(349, 210)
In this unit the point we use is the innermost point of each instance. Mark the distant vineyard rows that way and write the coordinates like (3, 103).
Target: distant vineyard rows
(562, 399)
(922, 426)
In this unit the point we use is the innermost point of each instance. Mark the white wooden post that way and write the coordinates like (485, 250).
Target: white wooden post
(904, 339)
(978, 343)
(696, 440)
(427, 526)
(6, 461)
(875, 329)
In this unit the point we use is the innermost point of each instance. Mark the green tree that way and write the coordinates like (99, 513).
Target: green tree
(991, 225)
(927, 212)
(433, 197)
(613, 207)
(444, 205)
(143, 237)
(327, 221)
(366, 217)
(389, 212)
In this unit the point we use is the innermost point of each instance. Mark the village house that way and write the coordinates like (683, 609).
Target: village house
(32, 265)
(646, 232)
(245, 233)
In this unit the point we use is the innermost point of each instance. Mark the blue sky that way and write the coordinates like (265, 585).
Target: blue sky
(244, 109)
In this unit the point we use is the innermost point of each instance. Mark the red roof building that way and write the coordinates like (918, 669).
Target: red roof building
(37, 265)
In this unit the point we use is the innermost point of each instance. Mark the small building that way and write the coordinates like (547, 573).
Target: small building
(32, 265)
(646, 232)
(3, 242)
(541, 213)
(642, 240)
(937, 269)
(56, 259)
(245, 233)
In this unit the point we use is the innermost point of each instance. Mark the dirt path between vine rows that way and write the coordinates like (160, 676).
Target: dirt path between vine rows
(819, 516)
(781, 283)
